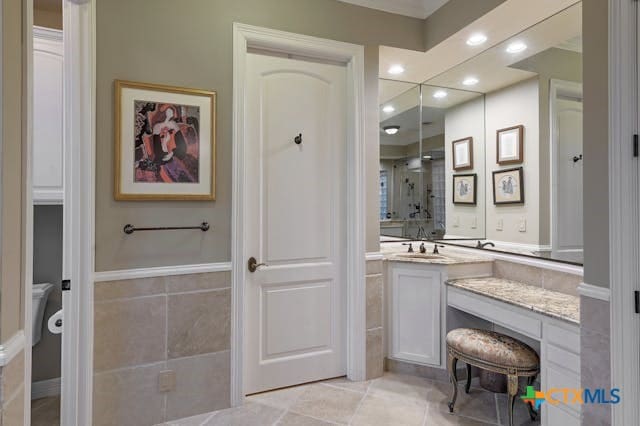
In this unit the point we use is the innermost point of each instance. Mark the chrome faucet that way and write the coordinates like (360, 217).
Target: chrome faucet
(435, 248)
(423, 249)
(483, 245)
(410, 250)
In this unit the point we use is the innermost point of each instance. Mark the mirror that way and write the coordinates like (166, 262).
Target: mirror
(509, 121)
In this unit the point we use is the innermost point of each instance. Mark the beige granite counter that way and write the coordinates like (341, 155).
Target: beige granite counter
(396, 252)
(552, 303)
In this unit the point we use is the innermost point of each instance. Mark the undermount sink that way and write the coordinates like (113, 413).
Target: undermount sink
(421, 256)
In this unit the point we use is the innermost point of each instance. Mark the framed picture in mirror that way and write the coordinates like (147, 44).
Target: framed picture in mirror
(510, 145)
(465, 189)
(462, 154)
(508, 186)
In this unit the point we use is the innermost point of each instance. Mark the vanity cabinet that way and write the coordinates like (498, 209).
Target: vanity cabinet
(415, 314)
(48, 146)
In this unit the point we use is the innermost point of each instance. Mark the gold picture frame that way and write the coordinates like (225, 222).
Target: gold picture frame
(165, 143)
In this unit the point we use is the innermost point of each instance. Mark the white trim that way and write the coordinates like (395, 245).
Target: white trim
(594, 292)
(79, 132)
(47, 33)
(557, 87)
(624, 214)
(27, 201)
(12, 347)
(374, 255)
(45, 388)
(245, 36)
(160, 271)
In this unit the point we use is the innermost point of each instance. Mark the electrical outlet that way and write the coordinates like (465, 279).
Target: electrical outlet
(474, 222)
(499, 225)
(167, 381)
(522, 226)
(456, 221)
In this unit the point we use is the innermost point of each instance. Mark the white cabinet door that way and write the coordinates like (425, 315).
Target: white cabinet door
(48, 148)
(415, 332)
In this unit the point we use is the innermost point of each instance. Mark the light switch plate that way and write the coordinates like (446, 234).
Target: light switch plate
(167, 381)
(499, 225)
(474, 222)
(456, 221)
(522, 226)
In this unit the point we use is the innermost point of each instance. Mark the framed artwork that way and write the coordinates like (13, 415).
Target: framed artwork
(165, 142)
(508, 186)
(463, 154)
(510, 145)
(465, 189)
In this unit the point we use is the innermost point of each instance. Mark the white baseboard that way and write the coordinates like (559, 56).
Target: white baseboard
(11, 348)
(161, 271)
(45, 388)
(595, 292)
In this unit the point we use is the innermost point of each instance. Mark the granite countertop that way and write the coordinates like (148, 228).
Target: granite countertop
(552, 303)
(395, 252)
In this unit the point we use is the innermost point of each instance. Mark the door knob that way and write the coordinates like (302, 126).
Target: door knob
(253, 264)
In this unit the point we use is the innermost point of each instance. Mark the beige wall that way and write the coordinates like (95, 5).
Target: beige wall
(201, 38)
(596, 138)
(462, 121)
(515, 105)
(11, 275)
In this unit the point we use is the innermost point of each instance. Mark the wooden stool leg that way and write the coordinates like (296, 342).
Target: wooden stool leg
(532, 412)
(468, 385)
(513, 391)
(452, 364)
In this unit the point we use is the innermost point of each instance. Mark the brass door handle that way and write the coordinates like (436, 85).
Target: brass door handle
(253, 264)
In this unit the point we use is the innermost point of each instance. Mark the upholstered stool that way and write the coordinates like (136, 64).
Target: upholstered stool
(493, 352)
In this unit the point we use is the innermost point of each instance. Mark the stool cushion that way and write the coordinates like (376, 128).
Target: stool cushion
(494, 348)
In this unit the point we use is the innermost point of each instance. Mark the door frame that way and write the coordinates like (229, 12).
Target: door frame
(557, 87)
(248, 36)
(624, 208)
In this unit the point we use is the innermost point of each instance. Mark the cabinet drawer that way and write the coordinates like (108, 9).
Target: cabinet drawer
(556, 416)
(563, 338)
(494, 311)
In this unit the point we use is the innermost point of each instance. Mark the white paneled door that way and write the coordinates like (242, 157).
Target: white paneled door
(295, 170)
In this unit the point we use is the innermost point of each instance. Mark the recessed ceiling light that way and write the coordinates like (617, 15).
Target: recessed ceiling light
(440, 94)
(396, 69)
(388, 109)
(516, 47)
(391, 130)
(470, 81)
(476, 39)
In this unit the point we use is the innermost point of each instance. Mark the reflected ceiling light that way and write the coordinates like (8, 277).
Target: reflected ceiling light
(476, 39)
(516, 47)
(440, 94)
(396, 69)
(427, 157)
(391, 130)
(470, 81)
(388, 109)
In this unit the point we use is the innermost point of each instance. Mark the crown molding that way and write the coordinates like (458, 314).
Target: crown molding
(414, 8)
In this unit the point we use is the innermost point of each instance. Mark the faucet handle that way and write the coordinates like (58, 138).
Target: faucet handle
(423, 249)
(435, 248)
(410, 247)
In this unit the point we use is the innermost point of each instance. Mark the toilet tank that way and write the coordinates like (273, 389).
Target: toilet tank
(39, 295)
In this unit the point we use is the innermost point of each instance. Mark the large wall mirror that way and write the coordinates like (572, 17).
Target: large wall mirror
(490, 150)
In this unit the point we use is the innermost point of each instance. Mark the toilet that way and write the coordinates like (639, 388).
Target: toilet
(39, 295)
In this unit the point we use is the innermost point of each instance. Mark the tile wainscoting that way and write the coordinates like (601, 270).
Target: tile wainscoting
(12, 390)
(171, 331)
(375, 306)
(595, 360)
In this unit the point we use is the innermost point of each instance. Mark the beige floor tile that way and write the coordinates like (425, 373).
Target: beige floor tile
(401, 387)
(45, 411)
(293, 419)
(436, 416)
(478, 404)
(379, 411)
(343, 382)
(250, 414)
(281, 398)
(328, 403)
(191, 421)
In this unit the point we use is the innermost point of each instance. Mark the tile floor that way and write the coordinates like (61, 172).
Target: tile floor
(45, 411)
(393, 399)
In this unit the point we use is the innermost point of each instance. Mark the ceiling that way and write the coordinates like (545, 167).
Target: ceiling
(505, 21)
(414, 8)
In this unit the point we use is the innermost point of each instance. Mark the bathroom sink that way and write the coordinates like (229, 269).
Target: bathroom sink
(424, 256)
